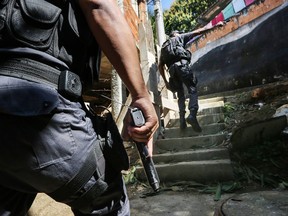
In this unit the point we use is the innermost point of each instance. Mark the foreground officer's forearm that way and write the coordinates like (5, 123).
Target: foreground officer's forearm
(116, 40)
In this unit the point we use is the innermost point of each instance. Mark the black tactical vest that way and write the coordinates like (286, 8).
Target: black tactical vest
(55, 27)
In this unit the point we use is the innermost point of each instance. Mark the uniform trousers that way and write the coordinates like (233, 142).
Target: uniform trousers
(45, 139)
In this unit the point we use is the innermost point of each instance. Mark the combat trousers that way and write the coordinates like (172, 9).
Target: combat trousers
(45, 140)
(182, 74)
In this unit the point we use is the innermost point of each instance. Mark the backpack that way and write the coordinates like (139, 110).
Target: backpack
(172, 51)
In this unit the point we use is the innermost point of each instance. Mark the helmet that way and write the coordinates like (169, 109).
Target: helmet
(172, 34)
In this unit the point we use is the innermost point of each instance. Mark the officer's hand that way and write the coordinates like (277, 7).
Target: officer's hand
(145, 132)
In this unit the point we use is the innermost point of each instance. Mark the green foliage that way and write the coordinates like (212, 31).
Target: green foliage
(183, 14)
(129, 176)
(228, 108)
(264, 163)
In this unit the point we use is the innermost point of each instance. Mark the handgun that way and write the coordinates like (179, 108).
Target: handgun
(148, 164)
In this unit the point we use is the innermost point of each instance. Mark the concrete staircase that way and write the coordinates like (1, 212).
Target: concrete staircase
(189, 156)
(181, 156)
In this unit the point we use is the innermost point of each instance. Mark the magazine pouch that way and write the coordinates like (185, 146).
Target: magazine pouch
(113, 146)
(32, 22)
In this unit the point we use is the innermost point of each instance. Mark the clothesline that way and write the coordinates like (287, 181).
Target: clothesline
(234, 7)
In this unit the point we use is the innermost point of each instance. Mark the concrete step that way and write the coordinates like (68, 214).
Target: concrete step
(192, 155)
(176, 132)
(210, 110)
(189, 143)
(201, 112)
(202, 102)
(206, 171)
(207, 105)
(185, 155)
(211, 119)
(210, 100)
(202, 119)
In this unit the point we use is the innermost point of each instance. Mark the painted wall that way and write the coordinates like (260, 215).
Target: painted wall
(252, 54)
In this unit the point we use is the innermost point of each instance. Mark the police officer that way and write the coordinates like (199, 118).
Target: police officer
(49, 55)
(180, 73)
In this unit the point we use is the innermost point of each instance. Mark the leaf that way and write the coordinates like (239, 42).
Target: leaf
(183, 15)
(230, 187)
(176, 188)
(274, 163)
(218, 192)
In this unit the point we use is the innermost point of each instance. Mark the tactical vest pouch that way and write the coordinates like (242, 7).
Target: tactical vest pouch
(113, 147)
(33, 22)
(57, 28)
(114, 151)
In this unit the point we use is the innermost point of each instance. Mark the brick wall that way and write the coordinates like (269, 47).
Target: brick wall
(252, 12)
(131, 18)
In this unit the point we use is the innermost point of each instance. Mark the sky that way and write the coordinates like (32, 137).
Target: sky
(166, 4)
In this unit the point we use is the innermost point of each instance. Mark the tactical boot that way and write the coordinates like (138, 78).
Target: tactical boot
(192, 120)
(183, 124)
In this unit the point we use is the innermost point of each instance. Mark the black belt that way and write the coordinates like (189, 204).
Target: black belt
(182, 61)
(66, 82)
